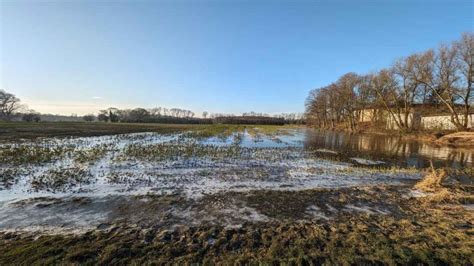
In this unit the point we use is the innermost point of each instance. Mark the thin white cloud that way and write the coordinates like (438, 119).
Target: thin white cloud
(96, 98)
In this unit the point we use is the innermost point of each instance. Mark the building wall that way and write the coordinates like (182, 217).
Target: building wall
(366, 115)
(413, 119)
(436, 122)
(372, 115)
(443, 122)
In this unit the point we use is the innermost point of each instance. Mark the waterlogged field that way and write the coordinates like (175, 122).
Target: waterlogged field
(219, 194)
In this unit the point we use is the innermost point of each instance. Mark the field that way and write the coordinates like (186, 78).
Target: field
(18, 130)
(139, 193)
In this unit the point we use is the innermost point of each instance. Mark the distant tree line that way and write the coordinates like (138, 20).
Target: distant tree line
(252, 117)
(250, 120)
(11, 109)
(182, 116)
(142, 115)
(442, 77)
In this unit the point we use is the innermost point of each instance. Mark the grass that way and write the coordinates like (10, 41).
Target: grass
(30, 154)
(20, 130)
(436, 189)
(60, 179)
(9, 176)
(90, 155)
(413, 233)
(429, 237)
(179, 151)
(432, 182)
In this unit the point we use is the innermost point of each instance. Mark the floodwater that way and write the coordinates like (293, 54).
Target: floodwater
(80, 183)
(390, 149)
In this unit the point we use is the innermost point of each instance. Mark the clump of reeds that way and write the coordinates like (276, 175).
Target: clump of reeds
(432, 182)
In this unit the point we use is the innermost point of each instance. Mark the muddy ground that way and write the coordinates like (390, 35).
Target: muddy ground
(376, 225)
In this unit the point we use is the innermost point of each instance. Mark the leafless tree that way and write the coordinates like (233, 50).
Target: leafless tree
(88, 118)
(385, 86)
(465, 63)
(9, 104)
(155, 111)
(442, 77)
(409, 90)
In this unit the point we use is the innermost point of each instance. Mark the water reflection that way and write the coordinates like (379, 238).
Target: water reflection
(390, 148)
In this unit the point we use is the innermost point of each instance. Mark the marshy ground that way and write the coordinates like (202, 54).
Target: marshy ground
(224, 194)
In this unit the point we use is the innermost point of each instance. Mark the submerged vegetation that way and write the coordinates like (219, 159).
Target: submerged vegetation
(91, 155)
(29, 154)
(61, 179)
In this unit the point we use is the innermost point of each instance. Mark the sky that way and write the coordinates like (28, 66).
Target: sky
(226, 56)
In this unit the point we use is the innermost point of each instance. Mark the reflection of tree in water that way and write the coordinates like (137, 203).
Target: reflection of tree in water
(390, 148)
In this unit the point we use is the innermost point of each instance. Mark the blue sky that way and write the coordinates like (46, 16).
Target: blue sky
(224, 56)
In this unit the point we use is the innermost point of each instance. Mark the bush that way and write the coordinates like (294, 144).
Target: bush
(32, 117)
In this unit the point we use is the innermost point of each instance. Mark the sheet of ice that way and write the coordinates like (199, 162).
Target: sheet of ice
(327, 151)
(366, 161)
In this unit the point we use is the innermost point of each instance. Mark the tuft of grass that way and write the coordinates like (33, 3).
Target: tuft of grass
(23, 153)
(90, 155)
(432, 182)
(9, 176)
(62, 179)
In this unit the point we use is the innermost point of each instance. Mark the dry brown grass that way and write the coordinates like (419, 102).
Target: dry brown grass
(432, 182)
(465, 139)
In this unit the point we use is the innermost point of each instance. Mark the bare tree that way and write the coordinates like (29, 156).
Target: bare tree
(155, 111)
(409, 88)
(138, 115)
(347, 89)
(465, 63)
(204, 114)
(441, 78)
(9, 104)
(88, 118)
(384, 85)
(31, 116)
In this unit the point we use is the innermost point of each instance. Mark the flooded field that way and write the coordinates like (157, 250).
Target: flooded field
(101, 168)
(232, 179)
